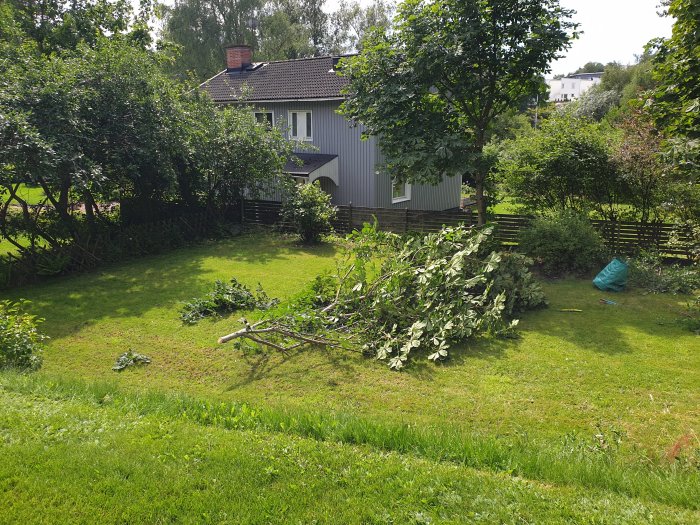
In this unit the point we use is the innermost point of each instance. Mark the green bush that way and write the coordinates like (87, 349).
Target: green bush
(308, 209)
(649, 272)
(21, 344)
(563, 242)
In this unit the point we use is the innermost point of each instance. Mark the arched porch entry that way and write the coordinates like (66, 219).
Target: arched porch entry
(309, 167)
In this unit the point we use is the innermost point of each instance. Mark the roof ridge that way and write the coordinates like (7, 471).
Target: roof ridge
(305, 58)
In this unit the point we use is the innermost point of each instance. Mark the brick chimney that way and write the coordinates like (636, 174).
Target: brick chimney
(238, 57)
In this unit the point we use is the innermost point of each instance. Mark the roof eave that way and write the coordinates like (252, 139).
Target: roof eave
(269, 101)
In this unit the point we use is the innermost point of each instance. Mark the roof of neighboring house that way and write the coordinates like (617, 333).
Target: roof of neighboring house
(310, 163)
(301, 79)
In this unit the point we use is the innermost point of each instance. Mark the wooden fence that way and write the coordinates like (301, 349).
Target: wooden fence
(620, 237)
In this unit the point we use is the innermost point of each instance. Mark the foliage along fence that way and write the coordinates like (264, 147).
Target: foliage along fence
(114, 243)
(620, 237)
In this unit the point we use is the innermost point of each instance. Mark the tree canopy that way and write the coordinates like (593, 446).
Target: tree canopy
(675, 105)
(276, 29)
(431, 89)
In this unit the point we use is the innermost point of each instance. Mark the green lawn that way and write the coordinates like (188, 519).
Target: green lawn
(628, 370)
(73, 460)
(33, 195)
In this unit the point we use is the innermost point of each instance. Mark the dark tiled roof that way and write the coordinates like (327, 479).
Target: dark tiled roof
(302, 79)
(311, 162)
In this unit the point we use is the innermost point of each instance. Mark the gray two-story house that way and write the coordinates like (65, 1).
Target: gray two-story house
(302, 97)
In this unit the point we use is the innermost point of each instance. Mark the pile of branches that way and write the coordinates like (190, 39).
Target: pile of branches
(393, 296)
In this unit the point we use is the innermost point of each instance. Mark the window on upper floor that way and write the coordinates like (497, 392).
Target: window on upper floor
(265, 117)
(400, 191)
(300, 125)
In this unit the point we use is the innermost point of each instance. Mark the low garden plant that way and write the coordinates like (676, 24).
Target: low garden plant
(225, 298)
(649, 272)
(563, 242)
(130, 358)
(21, 343)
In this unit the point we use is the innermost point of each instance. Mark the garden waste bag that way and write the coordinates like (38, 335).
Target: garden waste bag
(613, 278)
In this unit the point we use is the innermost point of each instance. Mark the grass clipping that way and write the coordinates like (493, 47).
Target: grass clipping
(396, 296)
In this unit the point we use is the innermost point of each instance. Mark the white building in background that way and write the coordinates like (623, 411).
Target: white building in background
(572, 87)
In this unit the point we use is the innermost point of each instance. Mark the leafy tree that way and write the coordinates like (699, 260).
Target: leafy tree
(104, 124)
(565, 164)
(676, 105)
(351, 22)
(240, 154)
(590, 67)
(283, 38)
(276, 29)
(616, 77)
(595, 103)
(638, 161)
(677, 69)
(641, 80)
(201, 29)
(431, 89)
(57, 25)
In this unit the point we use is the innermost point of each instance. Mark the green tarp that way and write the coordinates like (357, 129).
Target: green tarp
(613, 278)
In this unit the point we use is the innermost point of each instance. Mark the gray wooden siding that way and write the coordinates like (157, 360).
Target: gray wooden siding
(362, 182)
(443, 196)
(332, 134)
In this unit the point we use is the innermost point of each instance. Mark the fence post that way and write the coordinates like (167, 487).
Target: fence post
(405, 220)
(349, 217)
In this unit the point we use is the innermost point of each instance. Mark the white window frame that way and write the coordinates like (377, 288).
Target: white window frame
(401, 198)
(301, 113)
(264, 112)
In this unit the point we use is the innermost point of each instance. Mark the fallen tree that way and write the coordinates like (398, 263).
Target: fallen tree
(393, 296)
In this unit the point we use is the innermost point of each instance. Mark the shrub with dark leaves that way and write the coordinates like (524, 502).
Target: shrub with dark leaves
(564, 242)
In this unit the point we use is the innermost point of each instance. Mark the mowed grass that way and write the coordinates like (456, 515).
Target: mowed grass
(102, 459)
(549, 406)
(628, 368)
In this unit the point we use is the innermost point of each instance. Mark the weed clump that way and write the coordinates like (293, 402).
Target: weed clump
(225, 298)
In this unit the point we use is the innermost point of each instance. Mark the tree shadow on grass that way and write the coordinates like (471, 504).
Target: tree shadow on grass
(262, 365)
(135, 287)
(597, 327)
(263, 247)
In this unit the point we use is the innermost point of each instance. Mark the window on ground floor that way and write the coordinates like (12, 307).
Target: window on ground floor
(400, 191)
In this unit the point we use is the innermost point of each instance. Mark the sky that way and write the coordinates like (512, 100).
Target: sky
(613, 30)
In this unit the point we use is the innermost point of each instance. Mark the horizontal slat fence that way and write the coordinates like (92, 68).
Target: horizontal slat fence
(621, 237)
